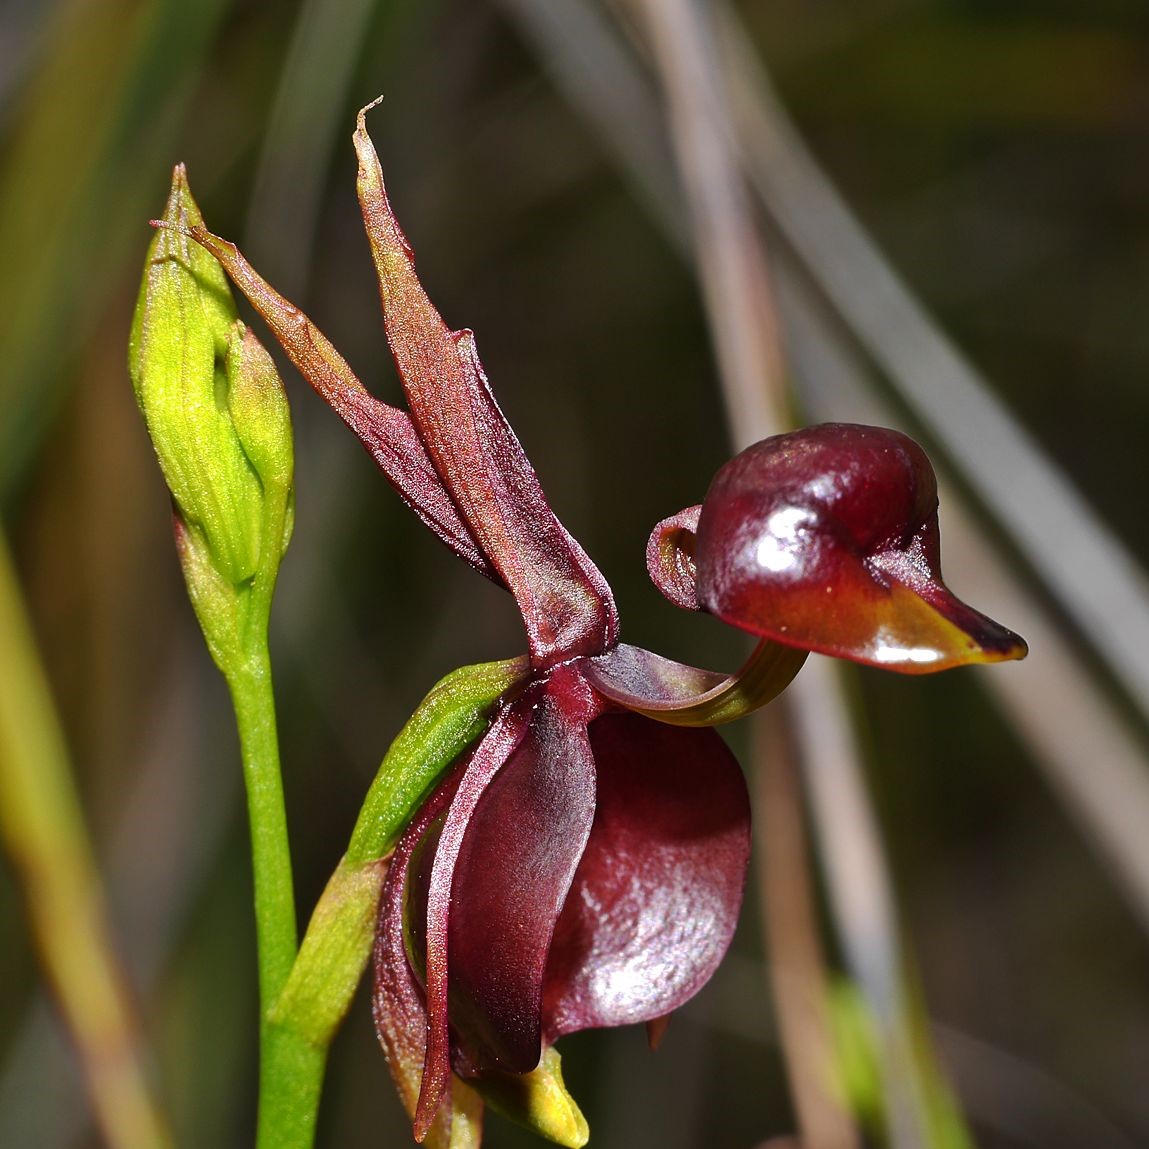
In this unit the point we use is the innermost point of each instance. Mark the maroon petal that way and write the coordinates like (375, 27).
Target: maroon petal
(683, 695)
(566, 603)
(386, 432)
(398, 1007)
(656, 896)
(827, 539)
(431, 878)
(518, 858)
(670, 558)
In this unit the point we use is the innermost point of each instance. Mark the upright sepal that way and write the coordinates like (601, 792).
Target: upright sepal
(565, 602)
(386, 432)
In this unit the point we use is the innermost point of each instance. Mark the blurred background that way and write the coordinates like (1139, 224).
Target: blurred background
(996, 153)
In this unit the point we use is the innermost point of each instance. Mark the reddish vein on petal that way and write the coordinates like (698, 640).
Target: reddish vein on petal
(566, 604)
(386, 432)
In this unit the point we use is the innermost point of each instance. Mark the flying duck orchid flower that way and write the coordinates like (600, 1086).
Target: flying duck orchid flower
(583, 864)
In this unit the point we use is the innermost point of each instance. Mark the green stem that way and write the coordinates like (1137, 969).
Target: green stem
(276, 938)
(452, 716)
(291, 1082)
(281, 1124)
(337, 946)
(43, 828)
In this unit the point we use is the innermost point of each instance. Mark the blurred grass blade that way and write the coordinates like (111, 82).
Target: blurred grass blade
(597, 72)
(859, 889)
(176, 814)
(731, 265)
(43, 829)
(17, 26)
(1086, 567)
(300, 137)
(799, 976)
(728, 254)
(1021, 1101)
(93, 123)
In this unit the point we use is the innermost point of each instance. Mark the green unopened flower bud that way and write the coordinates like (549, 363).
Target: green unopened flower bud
(218, 418)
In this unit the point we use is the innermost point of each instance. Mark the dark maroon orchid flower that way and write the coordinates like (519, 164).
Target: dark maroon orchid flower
(583, 865)
(582, 868)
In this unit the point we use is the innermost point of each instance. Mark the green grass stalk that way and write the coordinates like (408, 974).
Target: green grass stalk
(44, 832)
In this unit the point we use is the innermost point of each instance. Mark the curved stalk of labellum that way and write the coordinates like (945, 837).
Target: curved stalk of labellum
(682, 695)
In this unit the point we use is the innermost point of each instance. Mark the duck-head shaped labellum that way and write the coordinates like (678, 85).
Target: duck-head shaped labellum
(826, 539)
